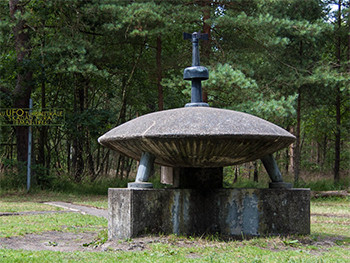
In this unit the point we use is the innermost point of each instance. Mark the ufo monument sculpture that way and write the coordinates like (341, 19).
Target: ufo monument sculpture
(193, 144)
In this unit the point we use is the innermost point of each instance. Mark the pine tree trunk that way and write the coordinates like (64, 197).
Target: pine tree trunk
(337, 139)
(236, 174)
(206, 45)
(43, 136)
(68, 155)
(90, 159)
(286, 166)
(348, 55)
(122, 113)
(107, 162)
(256, 174)
(318, 151)
(338, 104)
(122, 166)
(118, 166)
(159, 74)
(296, 150)
(77, 161)
(43, 129)
(23, 88)
(129, 168)
(324, 150)
(291, 153)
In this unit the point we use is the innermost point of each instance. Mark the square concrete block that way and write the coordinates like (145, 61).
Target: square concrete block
(229, 212)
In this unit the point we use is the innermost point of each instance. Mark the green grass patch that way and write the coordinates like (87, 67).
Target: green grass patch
(331, 216)
(331, 205)
(332, 229)
(343, 242)
(29, 224)
(103, 204)
(331, 220)
(228, 252)
(48, 196)
(13, 207)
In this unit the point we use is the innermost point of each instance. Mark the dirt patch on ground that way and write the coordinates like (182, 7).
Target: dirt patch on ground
(32, 213)
(322, 194)
(330, 215)
(88, 241)
(54, 241)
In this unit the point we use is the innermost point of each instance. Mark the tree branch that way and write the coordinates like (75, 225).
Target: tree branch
(268, 51)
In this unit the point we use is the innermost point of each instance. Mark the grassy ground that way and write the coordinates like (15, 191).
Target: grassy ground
(331, 217)
(328, 242)
(29, 224)
(46, 196)
(167, 253)
(13, 207)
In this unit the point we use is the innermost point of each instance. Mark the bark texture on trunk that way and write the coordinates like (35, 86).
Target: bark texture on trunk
(23, 88)
(338, 104)
(296, 150)
(159, 74)
(206, 45)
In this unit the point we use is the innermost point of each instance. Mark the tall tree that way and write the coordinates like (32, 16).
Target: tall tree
(338, 98)
(108, 62)
(23, 89)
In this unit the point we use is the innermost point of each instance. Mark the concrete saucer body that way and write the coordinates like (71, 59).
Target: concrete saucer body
(197, 137)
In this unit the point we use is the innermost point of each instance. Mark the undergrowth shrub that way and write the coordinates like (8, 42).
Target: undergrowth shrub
(98, 187)
(13, 174)
(324, 184)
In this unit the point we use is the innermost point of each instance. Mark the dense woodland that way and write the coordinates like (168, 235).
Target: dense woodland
(106, 62)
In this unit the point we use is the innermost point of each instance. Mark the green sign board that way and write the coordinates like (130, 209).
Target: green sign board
(31, 117)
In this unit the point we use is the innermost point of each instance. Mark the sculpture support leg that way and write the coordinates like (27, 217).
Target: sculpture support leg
(274, 173)
(196, 95)
(143, 172)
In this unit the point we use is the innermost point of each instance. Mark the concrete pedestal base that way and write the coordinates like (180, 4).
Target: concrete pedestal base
(229, 212)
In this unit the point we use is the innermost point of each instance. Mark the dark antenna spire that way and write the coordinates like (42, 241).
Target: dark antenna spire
(196, 73)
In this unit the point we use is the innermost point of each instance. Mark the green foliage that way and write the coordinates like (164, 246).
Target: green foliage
(228, 87)
(98, 187)
(98, 61)
(244, 178)
(13, 176)
(324, 184)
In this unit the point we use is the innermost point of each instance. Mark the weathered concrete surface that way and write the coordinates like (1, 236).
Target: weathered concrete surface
(230, 212)
(198, 137)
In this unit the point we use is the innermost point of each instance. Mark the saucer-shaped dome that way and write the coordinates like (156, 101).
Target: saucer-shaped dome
(197, 137)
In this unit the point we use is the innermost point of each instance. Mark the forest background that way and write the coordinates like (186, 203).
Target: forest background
(106, 62)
